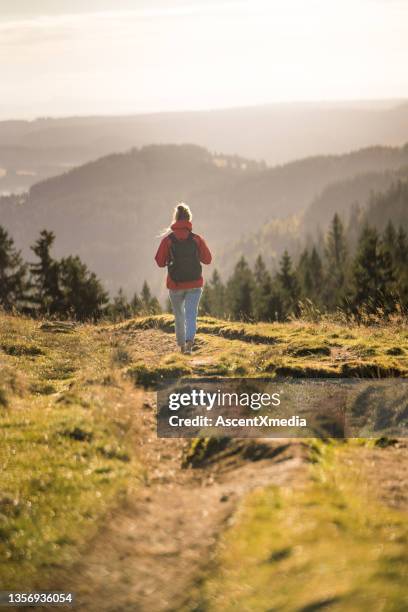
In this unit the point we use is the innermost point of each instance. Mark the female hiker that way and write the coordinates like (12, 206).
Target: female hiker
(183, 253)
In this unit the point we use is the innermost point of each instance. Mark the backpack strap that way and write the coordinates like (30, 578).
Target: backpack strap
(174, 239)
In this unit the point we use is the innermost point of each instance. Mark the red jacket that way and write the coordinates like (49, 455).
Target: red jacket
(181, 231)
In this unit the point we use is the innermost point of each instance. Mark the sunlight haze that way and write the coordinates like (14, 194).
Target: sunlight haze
(168, 55)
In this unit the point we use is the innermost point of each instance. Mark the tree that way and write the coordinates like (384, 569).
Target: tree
(304, 275)
(373, 277)
(205, 302)
(217, 295)
(120, 309)
(239, 291)
(136, 304)
(316, 268)
(401, 266)
(150, 304)
(212, 301)
(336, 258)
(263, 302)
(83, 296)
(288, 287)
(46, 293)
(13, 281)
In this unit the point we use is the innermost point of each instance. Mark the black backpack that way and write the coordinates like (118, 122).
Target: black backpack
(184, 264)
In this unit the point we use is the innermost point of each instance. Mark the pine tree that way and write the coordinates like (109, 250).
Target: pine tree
(401, 267)
(263, 309)
(217, 295)
(146, 295)
(120, 309)
(46, 293)
(205, 302)
(83, 296)
(373, 278)
(13, 282)
(239, 291)
(304, 275)
(136, 304)
(336, 261)
(354, 225)
(390, 239)
(316, 271)
(288, 287)
(150, 304)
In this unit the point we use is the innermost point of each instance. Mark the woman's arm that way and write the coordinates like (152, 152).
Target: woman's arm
(204, 251)
(162, 254)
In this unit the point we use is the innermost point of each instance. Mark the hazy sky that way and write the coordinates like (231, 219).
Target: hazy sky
(59, 58)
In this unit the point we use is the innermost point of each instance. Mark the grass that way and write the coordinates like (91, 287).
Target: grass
(146, 376)
(67, 399)
(327, 545)
(65, 452)
(299, 349)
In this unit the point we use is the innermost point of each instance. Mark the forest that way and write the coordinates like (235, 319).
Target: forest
(357, 270)
(63, 288)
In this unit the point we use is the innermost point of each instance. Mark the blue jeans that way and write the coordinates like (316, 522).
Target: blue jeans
(185, 306)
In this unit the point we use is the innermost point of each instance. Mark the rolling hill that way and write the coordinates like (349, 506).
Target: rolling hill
(111, 211)
(33, 150)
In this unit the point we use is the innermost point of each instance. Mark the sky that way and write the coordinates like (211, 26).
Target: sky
(70, 57)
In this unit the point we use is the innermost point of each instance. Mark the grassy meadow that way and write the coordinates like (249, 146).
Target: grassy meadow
(65, 456)
(328, 544)
(70, 403)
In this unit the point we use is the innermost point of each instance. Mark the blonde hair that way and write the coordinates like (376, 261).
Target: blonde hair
(181, 212)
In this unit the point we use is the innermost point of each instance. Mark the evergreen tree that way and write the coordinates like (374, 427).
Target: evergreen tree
(373, 278)
(263, 299)
(304, 275)
(336, 261)
(401, 266)
(205, 302)
(354, 225)
(288, 287)
(239, 291)
(120, 309)
(13, 282)
(146, 295)
(316, 268)
(83, 296)
(150, 304)
(136, 304)
(217, 295)
(46, 293)
(390, 239)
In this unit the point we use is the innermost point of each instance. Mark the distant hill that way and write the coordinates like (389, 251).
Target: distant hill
(278, 133)
(373, 198)
(111, 211)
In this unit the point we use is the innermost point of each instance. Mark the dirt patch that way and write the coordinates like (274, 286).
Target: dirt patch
(152, 344)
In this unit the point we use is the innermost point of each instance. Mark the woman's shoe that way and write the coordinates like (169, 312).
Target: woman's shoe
(183, 348)
(189, 347)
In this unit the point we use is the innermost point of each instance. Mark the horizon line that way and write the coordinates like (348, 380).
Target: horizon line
(315, 102)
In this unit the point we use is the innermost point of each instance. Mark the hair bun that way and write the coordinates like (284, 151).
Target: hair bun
(182, 212)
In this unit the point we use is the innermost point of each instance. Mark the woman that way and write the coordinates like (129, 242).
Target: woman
(183, 253)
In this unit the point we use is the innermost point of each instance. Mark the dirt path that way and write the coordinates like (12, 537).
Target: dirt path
(151, 553)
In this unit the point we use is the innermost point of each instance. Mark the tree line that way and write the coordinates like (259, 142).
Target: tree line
(372, 278)
(63, 288)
